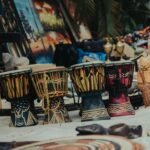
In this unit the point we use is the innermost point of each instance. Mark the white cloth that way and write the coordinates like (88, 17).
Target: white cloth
(10, 62)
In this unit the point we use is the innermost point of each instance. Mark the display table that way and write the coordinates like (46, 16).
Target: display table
(42, 132)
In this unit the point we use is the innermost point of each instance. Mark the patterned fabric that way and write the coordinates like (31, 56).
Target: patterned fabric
(92, 142)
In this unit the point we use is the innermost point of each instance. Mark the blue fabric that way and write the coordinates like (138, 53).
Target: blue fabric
(96, 56)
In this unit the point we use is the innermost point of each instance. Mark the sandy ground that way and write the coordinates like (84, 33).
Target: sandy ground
(42, 132)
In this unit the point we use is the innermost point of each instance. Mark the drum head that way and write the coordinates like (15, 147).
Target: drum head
(87, 64)
(35, 67)
(15, 72)
(85, 143)
(47, 69)
(115, 63)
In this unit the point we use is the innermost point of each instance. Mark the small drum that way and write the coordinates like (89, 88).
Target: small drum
(16, 88)
(51, 85)
(119, 77)
(88, 80)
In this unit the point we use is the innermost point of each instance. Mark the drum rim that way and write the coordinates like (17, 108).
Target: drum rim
(15, 72)
(31, 66)
(53, 69)
(119, 63)
(87, 64)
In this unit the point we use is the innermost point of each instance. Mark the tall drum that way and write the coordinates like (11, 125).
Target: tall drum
(51, 85)
(88, 80)
(16, 88)
(119, 77)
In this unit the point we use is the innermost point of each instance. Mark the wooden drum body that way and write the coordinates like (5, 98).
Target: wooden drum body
(16, 88)
(88, 80)
(51, 86)
(119, 77)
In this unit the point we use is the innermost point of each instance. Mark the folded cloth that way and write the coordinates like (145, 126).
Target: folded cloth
(121, 129)
(11, 62)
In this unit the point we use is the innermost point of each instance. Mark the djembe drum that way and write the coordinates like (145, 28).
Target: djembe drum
(51, 85)
(16, 88)
(119, 77)
(88, 80)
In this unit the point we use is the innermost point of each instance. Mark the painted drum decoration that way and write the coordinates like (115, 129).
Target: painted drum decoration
(88, 80)
(51, 85)
(16, 88)
(119, 77)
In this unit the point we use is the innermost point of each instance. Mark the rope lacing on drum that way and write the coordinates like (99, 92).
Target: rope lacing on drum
(48, 108)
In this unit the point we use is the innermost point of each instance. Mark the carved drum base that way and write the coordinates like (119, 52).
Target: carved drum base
(21, 114)
(121, 109)
(57, 112)
(93, 108)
